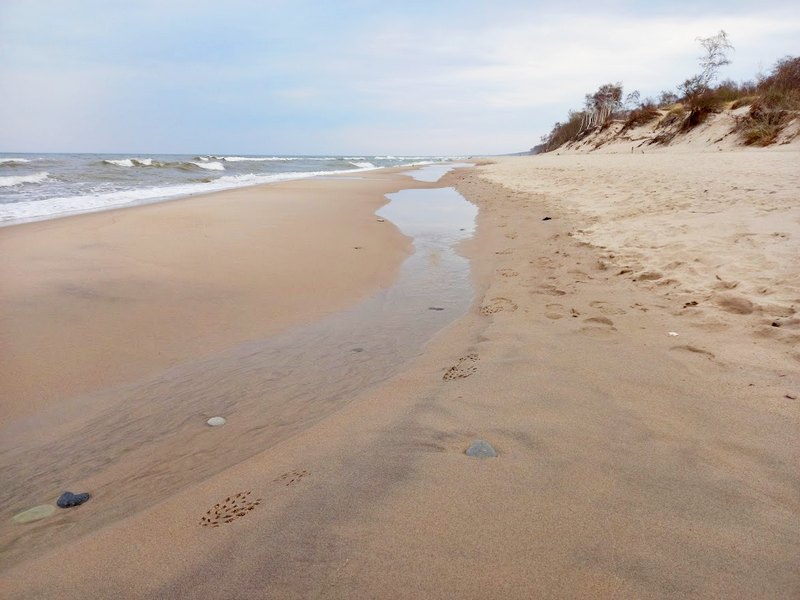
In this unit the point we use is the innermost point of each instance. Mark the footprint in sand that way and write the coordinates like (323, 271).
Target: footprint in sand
(512, 235)
(598, 326)
(232, 508)
(508, 272)
(465, 367)
(497, 305)
(606, 308)
(292, 477)
(694, 350)
(506, 251)
(554, 311)
(549, 290)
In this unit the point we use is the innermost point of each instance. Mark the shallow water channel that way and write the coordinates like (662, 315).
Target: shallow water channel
(150, 438)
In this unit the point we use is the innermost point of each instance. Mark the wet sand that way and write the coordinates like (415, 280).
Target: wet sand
(100, 299)
(632, 463)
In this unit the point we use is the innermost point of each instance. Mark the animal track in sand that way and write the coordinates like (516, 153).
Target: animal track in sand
(506, 251)
(606, 308)
(497, 305)
(291, 477)
(512, 235)
(508, 272)
(465, 367)
(232, 508)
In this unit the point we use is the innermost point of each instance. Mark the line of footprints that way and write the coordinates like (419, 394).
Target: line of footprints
(236, 506)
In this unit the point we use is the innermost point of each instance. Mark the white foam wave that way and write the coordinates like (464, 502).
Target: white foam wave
(275, 158)
(122, 162)
(13, 161)
(210, 166)
(129, 162)
(255, 159)
(20, 179)
(363, 165)
(33, 210)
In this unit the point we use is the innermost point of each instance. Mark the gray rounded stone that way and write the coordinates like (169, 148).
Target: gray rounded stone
(68, 499)
(481, 449)
(216, 421)
(34, 514)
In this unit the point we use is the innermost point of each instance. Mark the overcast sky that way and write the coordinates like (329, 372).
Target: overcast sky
(345, 77)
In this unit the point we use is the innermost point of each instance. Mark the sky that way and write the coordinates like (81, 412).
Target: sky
(346, 77)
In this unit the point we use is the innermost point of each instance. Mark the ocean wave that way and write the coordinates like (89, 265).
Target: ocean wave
(33, 210)
(20, 179)
(363, 165)
(14, 161)
(254, 159)
(209, 166)
(131, 162)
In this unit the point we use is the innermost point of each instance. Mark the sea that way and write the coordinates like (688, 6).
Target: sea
(44, 186)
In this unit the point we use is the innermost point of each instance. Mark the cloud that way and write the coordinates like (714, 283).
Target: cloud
(360, 76)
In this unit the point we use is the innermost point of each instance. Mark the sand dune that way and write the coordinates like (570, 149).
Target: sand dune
(716, 237)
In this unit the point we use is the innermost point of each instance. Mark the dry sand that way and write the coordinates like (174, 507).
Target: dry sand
(632, 463)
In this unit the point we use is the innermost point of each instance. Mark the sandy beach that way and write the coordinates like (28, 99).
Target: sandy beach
(631, 353)
(107, 297)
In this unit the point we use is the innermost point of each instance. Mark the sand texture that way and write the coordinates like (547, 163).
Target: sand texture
(99, 299)
(631, 463)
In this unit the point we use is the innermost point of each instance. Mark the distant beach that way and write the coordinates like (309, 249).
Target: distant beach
(42, 186)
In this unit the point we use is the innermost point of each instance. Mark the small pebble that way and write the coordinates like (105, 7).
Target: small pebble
(216, 421)
(672, 334)
(435, 308)
(547, 219)
(381, 220)
(34, 514)
(481, 449)
(68, 499)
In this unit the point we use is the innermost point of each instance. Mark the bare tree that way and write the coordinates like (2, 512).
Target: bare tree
(717, 48)
(601, 105)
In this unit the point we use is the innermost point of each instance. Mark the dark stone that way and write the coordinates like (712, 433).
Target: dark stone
(776, 324)
(481, 449)
(435, 308)
(547, 219)
(358, 349)
(68, 499)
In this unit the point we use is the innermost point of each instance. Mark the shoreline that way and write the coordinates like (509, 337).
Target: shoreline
(187, 277)
(631, 463)
(268, 179)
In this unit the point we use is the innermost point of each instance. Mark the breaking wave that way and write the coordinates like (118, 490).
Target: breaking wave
(209, 166)
(20, 179)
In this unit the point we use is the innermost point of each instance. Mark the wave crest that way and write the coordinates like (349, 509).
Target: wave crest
(131, 162)
(209, 166)
(20, 179)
